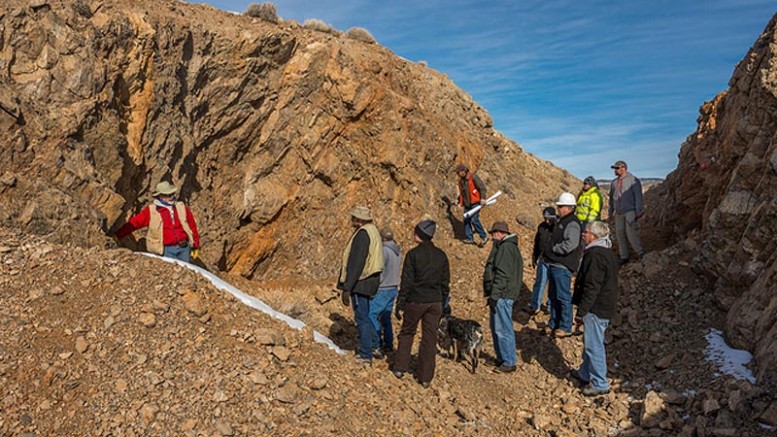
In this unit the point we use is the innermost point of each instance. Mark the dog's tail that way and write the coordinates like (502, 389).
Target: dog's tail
(477, 348)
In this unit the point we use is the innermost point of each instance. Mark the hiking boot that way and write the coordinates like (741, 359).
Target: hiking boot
(576, 375)
(364, 362)
(497, 363)
(590, 391)
(623, 261)
(378, 354)
(560, 333)
(483, 242)
(504, 368)
(469, 242)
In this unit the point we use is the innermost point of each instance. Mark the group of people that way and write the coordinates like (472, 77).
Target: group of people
(572, 238)
(374, 280)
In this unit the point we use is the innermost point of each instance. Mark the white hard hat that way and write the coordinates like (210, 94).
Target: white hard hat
(566, 199)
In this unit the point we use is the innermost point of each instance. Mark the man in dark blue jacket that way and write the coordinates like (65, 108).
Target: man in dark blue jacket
(541, 238)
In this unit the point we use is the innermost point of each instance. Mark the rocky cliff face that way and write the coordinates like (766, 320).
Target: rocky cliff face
(723, 193)
(273, 131)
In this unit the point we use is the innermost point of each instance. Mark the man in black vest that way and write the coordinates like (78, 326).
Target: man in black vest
(562, 256)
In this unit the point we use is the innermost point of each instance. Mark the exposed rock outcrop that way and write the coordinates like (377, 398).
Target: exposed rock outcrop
(723, 193)
(272, 130)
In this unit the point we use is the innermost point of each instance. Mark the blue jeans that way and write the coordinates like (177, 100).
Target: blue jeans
(380, 316)
(540, 282)
(501, 323)
(560, 298)
(361, 315)
(176, 252)
(594, 367)
(473, 221)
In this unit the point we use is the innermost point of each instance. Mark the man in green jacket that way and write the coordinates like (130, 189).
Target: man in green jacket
(589, 202)
(502, 280)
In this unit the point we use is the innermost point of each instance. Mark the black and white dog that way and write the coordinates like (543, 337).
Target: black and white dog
(461, 337)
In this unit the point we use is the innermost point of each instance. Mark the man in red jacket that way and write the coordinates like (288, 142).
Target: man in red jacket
(172, 231)
(472, 193)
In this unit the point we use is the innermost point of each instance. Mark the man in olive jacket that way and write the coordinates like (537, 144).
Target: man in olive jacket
(502, 280)
(596, 297)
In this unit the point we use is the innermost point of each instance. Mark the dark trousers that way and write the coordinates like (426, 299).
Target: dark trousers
(429, 315)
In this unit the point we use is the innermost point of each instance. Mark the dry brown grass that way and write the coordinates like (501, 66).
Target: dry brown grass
(263, 11)
(320, 26)
(360, 34)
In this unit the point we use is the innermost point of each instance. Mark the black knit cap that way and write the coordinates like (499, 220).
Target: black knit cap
(425, 229)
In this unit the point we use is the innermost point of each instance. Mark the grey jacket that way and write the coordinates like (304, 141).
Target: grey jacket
(627, 197)
(392, 262)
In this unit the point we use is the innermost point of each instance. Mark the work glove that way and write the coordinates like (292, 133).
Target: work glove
(345, 297)
(195, 253)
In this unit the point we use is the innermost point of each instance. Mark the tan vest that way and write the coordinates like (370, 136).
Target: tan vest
(154, 239)
(374, 262)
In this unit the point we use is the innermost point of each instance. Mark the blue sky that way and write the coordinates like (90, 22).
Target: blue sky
(581, 84)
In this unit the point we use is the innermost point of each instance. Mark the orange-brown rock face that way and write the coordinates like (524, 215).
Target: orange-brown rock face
(272, 131)
(725, 187)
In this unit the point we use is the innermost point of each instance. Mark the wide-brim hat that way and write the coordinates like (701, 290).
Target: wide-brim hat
(499, 227)
(361, 213)
(164, 188)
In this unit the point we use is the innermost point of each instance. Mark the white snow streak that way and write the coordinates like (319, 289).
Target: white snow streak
(250, 301)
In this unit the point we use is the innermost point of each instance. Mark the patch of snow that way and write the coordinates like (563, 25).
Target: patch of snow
(251, 301)
(730, 361)
(768, 427)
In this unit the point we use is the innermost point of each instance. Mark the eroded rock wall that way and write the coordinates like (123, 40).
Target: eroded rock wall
(273, 131)
(724, 192)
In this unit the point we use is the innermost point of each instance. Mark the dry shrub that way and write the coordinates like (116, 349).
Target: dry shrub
(360, 34)
(264, 11)
(316, 24)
